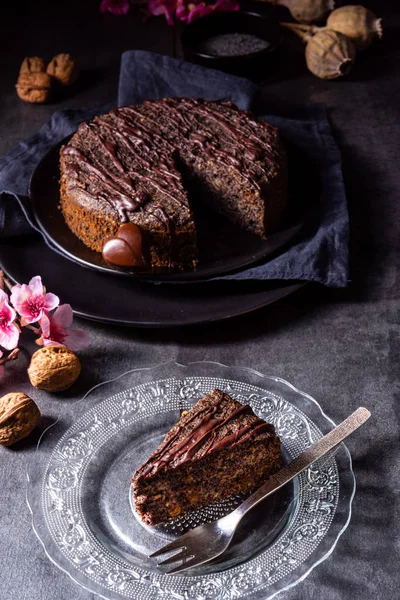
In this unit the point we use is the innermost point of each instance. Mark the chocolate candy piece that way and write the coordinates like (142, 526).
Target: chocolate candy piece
(126, 249)
(133, 236)
(118, 252)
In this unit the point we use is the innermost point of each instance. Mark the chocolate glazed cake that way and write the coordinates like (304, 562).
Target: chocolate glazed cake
(136, 163)
(218, 448)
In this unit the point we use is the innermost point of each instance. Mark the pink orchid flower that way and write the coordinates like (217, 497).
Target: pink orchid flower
(116, 7)
(31, 301)
(9, 332)
(163, 7)
(189, 11)
(55, 330)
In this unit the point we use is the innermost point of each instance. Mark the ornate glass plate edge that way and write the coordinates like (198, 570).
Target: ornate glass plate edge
(204, 586)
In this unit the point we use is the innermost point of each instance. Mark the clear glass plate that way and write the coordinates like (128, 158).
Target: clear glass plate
(82, 511)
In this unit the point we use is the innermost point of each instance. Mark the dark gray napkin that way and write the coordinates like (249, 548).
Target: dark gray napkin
(321, 254)
(16, 168)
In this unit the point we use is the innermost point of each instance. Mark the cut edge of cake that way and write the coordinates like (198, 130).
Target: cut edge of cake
(257, 200)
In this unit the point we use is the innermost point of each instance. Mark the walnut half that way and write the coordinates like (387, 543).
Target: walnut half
(32, 64)
(35, 87)
(19, 415)
(64, 69)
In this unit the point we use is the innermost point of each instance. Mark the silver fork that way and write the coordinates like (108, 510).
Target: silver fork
(206, 542)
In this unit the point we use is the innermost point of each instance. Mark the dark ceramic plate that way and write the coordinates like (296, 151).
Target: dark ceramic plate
(122, 301)
(256, 65)
(223, 247)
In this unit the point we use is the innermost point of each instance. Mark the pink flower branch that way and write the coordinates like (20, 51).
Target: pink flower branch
(56, 330)
(183, 10)
(31, 301)
(32, 307)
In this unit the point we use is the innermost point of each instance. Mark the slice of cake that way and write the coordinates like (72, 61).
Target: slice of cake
(217, 449)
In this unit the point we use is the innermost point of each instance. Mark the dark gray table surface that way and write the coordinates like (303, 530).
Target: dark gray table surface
(342, 347)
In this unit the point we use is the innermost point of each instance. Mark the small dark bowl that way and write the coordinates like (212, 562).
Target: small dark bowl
(257, 65)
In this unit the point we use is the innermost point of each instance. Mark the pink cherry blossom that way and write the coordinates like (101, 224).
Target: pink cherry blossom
(31, 300)
(9, 332)
(193, 9)
(56, 332)
(116, 7)
(163, 7)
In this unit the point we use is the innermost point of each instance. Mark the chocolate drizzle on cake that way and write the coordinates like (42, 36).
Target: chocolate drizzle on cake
(129, 166)
(202, 438)
(120, 190)
(219, 448)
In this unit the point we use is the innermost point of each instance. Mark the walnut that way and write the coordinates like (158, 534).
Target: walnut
(54, 369)
(64, 69)
(19, 415)
(34, 87)
(32, 64)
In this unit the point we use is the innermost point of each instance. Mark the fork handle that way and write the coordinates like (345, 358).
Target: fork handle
(327, 443)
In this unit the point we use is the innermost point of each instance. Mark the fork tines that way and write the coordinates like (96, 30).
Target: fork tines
(175, 545)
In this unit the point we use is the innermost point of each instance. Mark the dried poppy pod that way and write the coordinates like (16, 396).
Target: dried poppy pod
(329, 54)
(306, 11)
(357, 23)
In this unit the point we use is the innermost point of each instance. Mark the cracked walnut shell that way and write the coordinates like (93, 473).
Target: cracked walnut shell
(54, 369)
(64, 69)
(19, 415)
(34, 87)
(32, 64)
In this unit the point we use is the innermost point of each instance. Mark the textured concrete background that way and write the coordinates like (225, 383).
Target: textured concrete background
(342, 347)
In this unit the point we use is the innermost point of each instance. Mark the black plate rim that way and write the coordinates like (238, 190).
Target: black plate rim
(269, 296)
(289, 236)
(285, 290)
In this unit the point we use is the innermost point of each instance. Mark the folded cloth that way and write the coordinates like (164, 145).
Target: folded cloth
(16, 168)
(320, 255)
